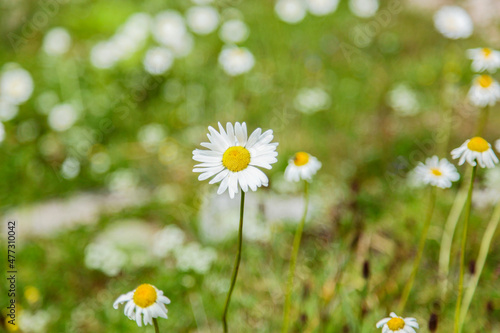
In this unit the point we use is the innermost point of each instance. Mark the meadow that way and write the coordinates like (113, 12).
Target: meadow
(110, 98)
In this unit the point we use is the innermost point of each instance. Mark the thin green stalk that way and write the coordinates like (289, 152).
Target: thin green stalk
(236, 264)
(482, 121)
(454, 216)
(462, 250)
(481, 259)
(421, 246)
(155, 323)
(447, 237)
(293, 262)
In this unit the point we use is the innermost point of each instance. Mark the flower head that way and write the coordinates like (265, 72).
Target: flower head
(202, 19)
(236, 60)
(233, 158)
(57, 41)
(145, 299)
(484, 59)
(290, 11)
(435, 172)
(484, 91)
(302, 166)
(394, 324)
(453, 22)
(474, 149)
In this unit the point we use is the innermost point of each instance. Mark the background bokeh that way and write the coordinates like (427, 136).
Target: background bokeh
(96, 160)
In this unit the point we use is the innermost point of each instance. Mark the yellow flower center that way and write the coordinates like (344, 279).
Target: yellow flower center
(478, 144)
(301, 158)
(396, 323)
(485, 81)
(145, 295)
(436, 172)
(236, 158)
(487, 52)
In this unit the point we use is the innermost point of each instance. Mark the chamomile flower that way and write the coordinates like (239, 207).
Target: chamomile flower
(302, 167)
(484, 91)
(435, 172)
(484, 59)
(233, 31)
(396, 324)
(474, 149)
(16, 85)
(57, 41)
(158, 60)
(453, 22)
(322, 7)
(233, 158)
(145, 300)
(290, 11)
(202, 20)
(236, 60)
(497, 145)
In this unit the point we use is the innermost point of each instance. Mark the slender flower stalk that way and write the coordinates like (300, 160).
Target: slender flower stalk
(293, 261)
(236, 263)
(481, 259)
(468, 204)
(454, 215)
(421, 246)
(155, 323)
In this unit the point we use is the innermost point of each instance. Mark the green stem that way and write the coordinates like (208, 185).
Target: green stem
(421, 246)
(155, 323)
(482, 121)
(462, 250)
(293, 262)
(236, 263)
(447, 237)
(481, 259)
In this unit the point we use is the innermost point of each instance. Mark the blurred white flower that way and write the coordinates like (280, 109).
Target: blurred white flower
(483, 198)
(193, 257)
(497, 146)
(233, 31)
(2, 132)
(62, 117)
(104, 55)
(236, 60)
(126, 41)
(169, 30)
(322, 7)
(436, 172)
(158, 60)
(290, 11)
(105, 257)
(484, 91)
(492, 177)
(202, 20)
(150, 136)
(301, 167)
(403, 100)
(16, 85)
(100, 162)
(123, 180)
(311, 100)
(453, 22)
(57, 41)
(484, 59)
(167, 240)
(7, 110)
(34, 322)
(70, 168)
(364, 8)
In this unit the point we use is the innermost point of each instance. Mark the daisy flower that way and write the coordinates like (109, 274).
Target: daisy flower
(145, 299)
(453, 22)
(398, 324)
(484, 91)
(233, 158)
(290, 11)
(474, 149)
(57, 41)
(435, 172)
(497, 145)
(301, 166)
(484, 59)
(158, 60)
(202, 20)
(236, 60)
